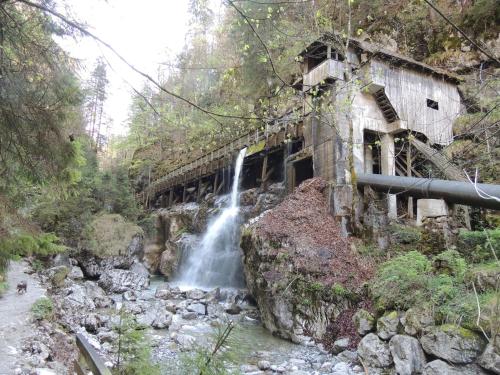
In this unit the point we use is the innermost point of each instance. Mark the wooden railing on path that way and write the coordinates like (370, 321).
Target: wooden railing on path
(88, 359)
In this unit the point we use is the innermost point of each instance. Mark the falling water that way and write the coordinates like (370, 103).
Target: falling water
(216, 261)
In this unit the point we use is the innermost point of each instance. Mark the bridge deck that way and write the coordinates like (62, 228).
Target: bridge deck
(222, 157)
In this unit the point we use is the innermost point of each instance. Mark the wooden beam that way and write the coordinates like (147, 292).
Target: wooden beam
(184, 194)
(263, 178)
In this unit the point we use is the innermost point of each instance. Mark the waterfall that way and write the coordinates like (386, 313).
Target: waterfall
(216, 261)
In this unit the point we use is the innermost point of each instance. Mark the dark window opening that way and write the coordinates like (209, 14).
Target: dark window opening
(316, 56)
(303, 170)
(432, 104)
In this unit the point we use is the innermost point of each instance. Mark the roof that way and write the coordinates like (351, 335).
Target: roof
(378, 51)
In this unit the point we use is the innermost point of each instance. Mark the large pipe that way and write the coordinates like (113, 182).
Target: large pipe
(451, 191)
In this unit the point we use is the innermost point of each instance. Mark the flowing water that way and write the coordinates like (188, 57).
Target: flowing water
(216, 261)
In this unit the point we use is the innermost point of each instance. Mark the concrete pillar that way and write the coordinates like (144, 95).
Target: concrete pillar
(389, 168)
(357, 148)
(368, 162)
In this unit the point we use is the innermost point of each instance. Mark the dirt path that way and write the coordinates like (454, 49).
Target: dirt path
(15, 315)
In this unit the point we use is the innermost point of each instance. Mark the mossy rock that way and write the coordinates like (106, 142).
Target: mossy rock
(363, 321)
(453, 343)
(486, 276)
(111, 235)
(404, 235)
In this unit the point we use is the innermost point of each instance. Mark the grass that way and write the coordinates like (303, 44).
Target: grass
(43, 309)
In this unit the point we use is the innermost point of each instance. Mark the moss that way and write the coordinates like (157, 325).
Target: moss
(451, 263)
(404, 234)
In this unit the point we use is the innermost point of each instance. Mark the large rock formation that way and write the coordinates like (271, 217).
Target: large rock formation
(300, 270)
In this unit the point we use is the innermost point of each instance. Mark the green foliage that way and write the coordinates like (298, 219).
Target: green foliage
(43, 308)
(134, 349)
(25, 244)
(479, 246)
(451, 263)
(402, 282)
(206, 360)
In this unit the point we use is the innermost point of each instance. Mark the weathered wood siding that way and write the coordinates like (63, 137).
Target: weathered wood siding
(408, 91)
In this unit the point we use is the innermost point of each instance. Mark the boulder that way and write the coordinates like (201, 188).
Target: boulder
(198, 308)
(119, 281)
(374, 352)
(57, 275)
(408, 356)
(388, 325)
(340, 345)
(95, 293)
(162, 320)
(439, 367)
(152, 256)
(453, 343)
(490, 359)
(163, 292)
(169, 260)
(76, 273)
(195, 294)
(364, 322)
(186, 342)
(139, 268)
(416, 320)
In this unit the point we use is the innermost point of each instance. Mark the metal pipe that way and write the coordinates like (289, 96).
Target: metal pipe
(451, 191)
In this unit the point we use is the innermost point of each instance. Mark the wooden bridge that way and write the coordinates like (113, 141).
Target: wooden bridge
(212, 171)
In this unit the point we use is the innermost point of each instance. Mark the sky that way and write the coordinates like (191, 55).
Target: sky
(146, 33)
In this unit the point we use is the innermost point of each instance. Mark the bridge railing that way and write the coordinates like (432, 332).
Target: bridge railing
(88, 359)
(247, 139)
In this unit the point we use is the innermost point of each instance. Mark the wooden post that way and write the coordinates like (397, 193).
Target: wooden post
(263, 177)
(216, 181)
(408, 173)
(171, 197)
(184, 194)
(201, 188)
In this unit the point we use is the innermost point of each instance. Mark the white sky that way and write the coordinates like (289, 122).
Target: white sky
(145, 32)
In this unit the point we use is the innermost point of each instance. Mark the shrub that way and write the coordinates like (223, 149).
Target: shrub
(42, 309)
(134, 349)
(410, 280)
(478, 246)
(450, 262)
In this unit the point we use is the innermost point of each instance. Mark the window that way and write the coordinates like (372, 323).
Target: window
(432, 104)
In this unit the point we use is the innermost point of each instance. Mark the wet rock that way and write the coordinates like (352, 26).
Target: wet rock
(234, 309)
(130, 295)
(408, 356)
(169, 260)
(416, 320)
(57, 275)
(374, 352)
(249, 197)
(263, 365)
(340, 345)
(439, 367)
(195, 294)
(163, 292)
(453, 343)
(152, 256)
(198, 308)
(490, 359)
(388, 325)
(364, 322)
(76, 273)
(248, 368)
(119, 281)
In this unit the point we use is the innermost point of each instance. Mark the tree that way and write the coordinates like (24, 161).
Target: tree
(94, 102)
